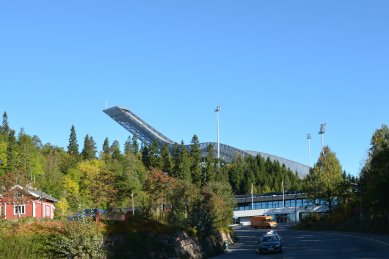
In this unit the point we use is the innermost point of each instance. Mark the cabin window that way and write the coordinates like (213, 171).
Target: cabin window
(47, 211)
(19, 209)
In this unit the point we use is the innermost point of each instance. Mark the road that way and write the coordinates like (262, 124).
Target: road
(308, 245)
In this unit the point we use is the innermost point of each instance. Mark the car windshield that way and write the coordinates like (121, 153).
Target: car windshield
(270, 239)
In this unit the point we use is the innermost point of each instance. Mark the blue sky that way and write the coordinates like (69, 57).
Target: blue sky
(277, 68)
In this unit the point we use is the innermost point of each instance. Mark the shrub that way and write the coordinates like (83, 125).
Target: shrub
(76, 240)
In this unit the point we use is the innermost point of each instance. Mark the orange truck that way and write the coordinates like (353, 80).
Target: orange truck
(263, 222)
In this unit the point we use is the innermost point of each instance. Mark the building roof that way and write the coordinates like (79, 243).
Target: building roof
(35, 193)
(40, 193)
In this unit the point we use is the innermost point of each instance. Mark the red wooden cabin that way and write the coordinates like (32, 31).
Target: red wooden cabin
(19, 202)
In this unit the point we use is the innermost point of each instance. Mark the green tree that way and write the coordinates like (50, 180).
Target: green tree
(214, 210)
(89, 150)
(146, 156)
(155, 160)
(325, 179)
(184, 164)
(209, 169)
(53, 181)
(130, 181)
(182, 197)
(30, 159)
(374, 176)
(5, 127)
(166, 160)
(235, 171)
(115, 150)
(195, 154)
(128, 146)
(106, 148)
(158, 186)
(11, 152)
(135, 144)
(3, 156)
(379, 140)
(176, 160)
(73, 145)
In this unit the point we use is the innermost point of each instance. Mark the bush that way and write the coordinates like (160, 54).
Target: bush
(76, 240)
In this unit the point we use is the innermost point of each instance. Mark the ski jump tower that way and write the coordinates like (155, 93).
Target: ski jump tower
(147, 134)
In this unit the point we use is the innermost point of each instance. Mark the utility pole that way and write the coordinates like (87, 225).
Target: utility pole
(217, 110)
(309, 137)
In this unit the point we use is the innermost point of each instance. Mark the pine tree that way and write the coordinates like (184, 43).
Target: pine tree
(176, 160)
(166, 160)
(155, 160)
(209, 170)
(195, 153)
(146, 156)
(182, 163)
(128, 146)
(5, 127)
(185, 163)
(11, 152)
(106, 148)
(135, 144)
(89, 150)
(236, 175)
(73, 145)
(115, 150)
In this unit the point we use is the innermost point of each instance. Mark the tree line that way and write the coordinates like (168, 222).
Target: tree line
(354, 201)
(107, 178)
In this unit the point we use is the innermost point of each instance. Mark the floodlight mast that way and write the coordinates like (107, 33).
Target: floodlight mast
(217, 110)
(309, 137)
(321, 132)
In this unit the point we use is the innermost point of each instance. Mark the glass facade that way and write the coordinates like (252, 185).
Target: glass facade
(277, 204)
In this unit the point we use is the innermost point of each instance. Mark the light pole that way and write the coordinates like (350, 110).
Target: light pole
(321, 132)
(217, 110)
(309, 148)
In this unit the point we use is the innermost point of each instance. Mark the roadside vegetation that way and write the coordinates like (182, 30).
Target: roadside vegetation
(170, 189)
(355, 203)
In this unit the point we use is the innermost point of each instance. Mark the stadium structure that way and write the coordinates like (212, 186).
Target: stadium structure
(147, 134)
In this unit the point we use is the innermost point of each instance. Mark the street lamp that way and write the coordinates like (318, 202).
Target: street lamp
(309, 148)
(321, 132)
(217, 110)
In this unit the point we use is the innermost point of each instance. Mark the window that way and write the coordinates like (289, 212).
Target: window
(19, 209)
(47, 211)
